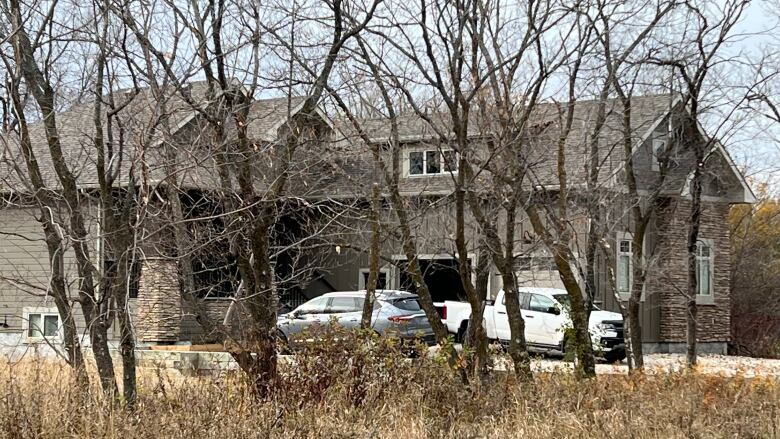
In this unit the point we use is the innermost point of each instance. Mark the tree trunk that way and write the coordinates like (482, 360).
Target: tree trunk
(69, 331)
(503, 257)
(518, 350)
(126, 349)
(44, 97)
(594, 236)
(260, 363)
(118, 287)
(98, 338)
(559, 247)
(693, 240)
(414, 271)
(475, 298)
(579, 315)
(54, 245)
(183, 242)
(476, 336)
(373, 261)
(634, 335)
(60, 293)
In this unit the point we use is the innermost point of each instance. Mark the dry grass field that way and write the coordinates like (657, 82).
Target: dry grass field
(375, 393)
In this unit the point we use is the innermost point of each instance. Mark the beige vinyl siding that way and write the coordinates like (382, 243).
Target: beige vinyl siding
(24, 267)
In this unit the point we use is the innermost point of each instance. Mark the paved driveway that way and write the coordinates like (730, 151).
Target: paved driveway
(708, 364)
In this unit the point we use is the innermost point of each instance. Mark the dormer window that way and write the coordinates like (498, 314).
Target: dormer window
(432, 162)
(659, 149)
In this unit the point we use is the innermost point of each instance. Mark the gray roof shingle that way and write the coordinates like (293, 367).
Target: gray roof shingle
(539, 141)
(339, 168)
(145, 122)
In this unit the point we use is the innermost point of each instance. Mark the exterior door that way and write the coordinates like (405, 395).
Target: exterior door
(501, 318)
(542, 326)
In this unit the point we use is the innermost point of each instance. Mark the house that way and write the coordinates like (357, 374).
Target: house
(333, 174)
(659, 134)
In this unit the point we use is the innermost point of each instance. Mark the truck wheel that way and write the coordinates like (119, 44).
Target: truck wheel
(568, 346)
(615, 356)
(460, 337)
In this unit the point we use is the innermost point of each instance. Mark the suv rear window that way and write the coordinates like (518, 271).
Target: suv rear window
(407, 304)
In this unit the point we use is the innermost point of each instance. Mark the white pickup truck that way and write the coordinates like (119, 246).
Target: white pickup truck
(546, 317)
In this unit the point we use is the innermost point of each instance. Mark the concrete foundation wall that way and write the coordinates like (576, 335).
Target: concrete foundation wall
(720, 348)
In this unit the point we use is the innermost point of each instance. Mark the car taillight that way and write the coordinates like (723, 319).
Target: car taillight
(400, 319)
(444, 312)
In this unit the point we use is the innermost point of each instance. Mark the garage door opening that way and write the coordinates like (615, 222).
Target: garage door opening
(442, 278)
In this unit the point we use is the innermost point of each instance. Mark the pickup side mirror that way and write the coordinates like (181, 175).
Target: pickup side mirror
(553, 310)
(490, 302)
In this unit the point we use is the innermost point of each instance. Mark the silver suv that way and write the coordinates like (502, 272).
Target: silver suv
(396, 313)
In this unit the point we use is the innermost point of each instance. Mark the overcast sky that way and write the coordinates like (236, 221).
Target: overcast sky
(756, 145)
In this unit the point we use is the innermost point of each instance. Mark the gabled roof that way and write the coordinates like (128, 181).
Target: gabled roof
(142, 119)
(648, 115)
(728, 172)
(145, 122)
(266, 116)
(539, 139)
(341, 168)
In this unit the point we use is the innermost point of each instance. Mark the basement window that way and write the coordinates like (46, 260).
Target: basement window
(41, 324)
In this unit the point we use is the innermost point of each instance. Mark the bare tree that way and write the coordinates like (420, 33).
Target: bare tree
(373, 262)
(642, 210)
(390, 168)
(37, 78)
(48, 202)
(705, 43)
(256, 209)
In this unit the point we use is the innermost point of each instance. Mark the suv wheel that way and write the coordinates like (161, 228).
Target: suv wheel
(282, 345)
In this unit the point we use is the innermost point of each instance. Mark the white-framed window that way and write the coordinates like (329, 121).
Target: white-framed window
(624, 260)
(659, 148)
(431, 162)
(704, 267)
(382, 281)
(41, 323)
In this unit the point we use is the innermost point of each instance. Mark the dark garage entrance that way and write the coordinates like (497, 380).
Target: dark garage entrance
(442, 278)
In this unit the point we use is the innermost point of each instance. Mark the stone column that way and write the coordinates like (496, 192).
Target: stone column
(159, 302)
(670, 277)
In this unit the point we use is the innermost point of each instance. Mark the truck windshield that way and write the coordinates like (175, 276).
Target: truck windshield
(563, 299)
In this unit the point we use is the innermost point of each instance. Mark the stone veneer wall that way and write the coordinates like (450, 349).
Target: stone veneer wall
(714, 320)
(191, 330)
(159, 302)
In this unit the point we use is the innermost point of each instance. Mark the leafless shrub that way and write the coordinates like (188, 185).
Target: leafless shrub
(400, 398)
